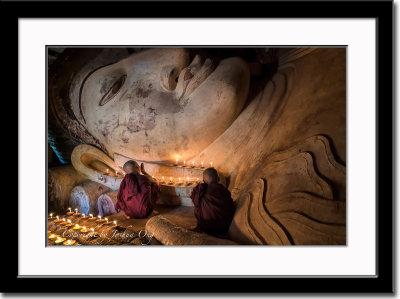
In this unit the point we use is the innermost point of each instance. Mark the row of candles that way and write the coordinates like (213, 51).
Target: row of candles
(180, 181)
(192, 164)
(83, 229)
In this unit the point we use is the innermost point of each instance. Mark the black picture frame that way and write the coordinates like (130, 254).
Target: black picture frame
(382, 11)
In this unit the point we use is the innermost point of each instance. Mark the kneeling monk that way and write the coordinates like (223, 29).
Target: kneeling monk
(213, 204)
(137, 193)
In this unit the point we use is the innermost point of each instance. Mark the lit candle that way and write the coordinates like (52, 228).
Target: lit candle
(58, 219)
(116, 173)
(184, 163)
(59, 240)
(163, 179)
(76, 212)
(210, 164)
(69, 242)
(192, 163)
(76, 226)
(107, 170)
(170, 180)
(52, 236)
(197, 179)
(179, 180)
(92, 229)
(91, 217)
(84, 229)
(115, 223)
(70, 212)
(202, 166)
(69, 223)
(176, 162)
(188, 180)
(51, 215)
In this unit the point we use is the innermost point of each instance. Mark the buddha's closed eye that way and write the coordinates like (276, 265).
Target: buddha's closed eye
(113, 90)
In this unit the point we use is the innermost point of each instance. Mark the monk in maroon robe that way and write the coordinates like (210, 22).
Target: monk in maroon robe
(137, 193)
(213, 204)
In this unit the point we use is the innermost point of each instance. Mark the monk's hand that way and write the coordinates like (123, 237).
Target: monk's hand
(142, 168)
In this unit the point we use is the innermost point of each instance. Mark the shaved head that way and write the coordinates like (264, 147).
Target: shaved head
(210, 175)
(131, 166)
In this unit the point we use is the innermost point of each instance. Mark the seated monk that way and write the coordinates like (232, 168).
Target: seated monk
(213, 204)
(137, 193)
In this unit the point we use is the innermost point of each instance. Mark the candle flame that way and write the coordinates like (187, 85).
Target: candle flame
(51, 214)
(58, 218)
(170, 178)
(83, 215)
(64, 219)
(92, 229)
(99, 217)
(84, 227)
(69, 209)
(69, 221)
(115, 222)
(91, 215)
(106, 219)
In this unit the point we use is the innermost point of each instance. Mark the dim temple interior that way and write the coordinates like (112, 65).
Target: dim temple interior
(270, 121)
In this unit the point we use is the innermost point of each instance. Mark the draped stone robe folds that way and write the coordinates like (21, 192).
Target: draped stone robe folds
(137, 196)
(213, 207)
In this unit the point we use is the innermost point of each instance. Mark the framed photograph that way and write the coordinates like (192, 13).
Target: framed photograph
(237, 146)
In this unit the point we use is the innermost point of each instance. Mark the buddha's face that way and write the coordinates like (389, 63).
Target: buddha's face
(157, 105)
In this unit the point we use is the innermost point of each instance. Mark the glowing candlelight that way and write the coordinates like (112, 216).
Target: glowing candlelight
(52, 236)
(170, 180)
(211, 164)
(59, 240)
(69, 242)
(176, 163)
(84, 229)
(76, 226)
(202, 166)
(70, 212)
(188, 180)
(51, 215)
(184, 163)
(107, 170)
(115, 223)
(106, 219)
(116, 173)
(92, 229)
(58, 219)
(197, 179)
(179, 180)
(192, 163)
(91, 217)
(163, 179)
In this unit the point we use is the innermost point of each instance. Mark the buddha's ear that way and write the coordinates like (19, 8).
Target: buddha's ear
(94, 163)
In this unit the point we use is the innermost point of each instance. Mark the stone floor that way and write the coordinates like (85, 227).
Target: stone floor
(128, 230)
